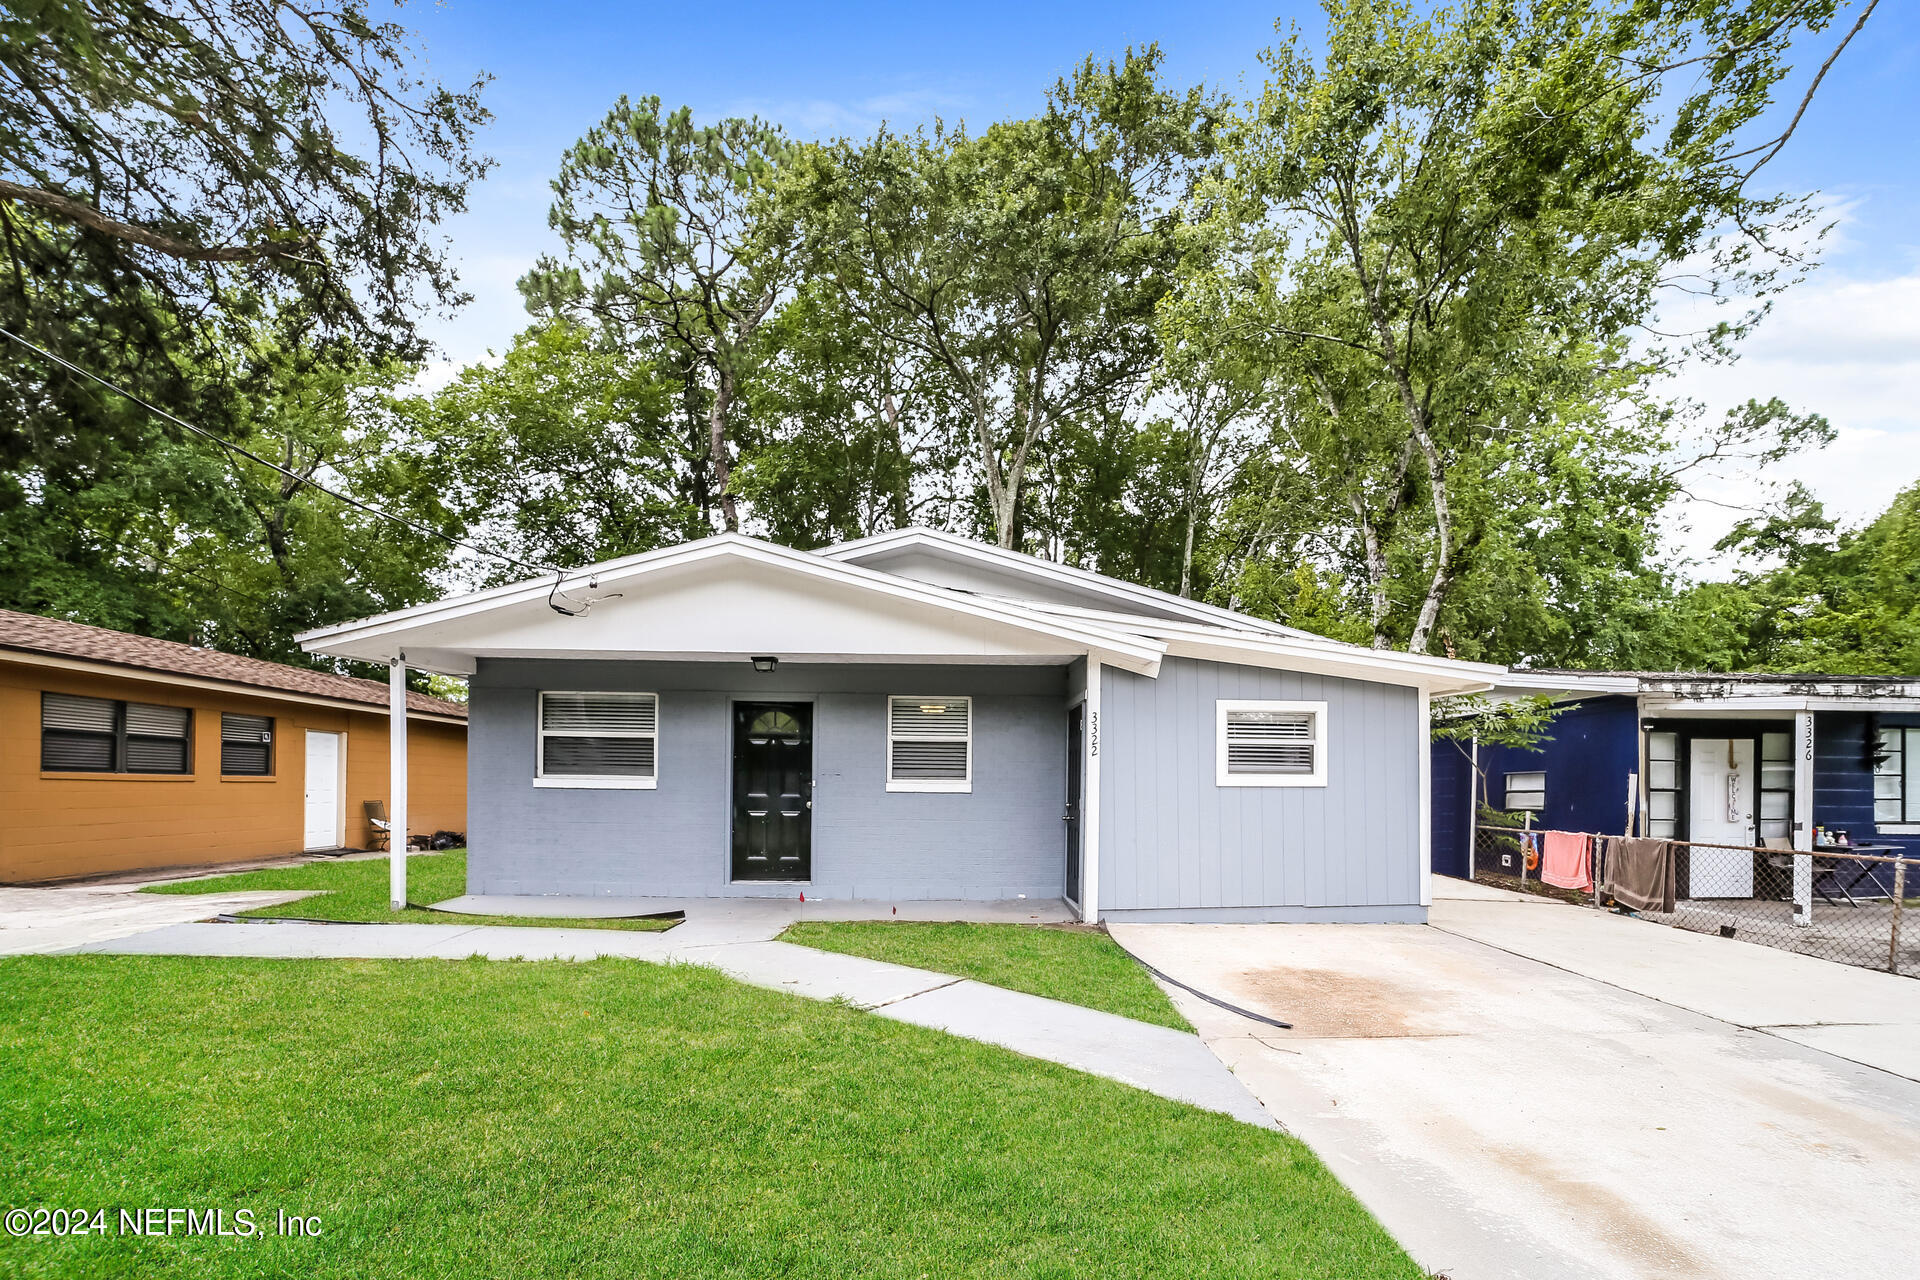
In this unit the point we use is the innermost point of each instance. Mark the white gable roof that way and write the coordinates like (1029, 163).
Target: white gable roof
(912, 596)
(947, 560)
(727, 597)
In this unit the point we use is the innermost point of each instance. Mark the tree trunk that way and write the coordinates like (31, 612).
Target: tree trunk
(898, 496)
(1196, 476)
(717, 450)
(1377, 602)
(1443, 565)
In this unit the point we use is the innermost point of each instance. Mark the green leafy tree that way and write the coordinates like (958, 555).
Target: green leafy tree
(181, 538)
(1023, 263)
(172, 174)
(576, 448)
(671, 235)
(852, 434)
(1453, 230)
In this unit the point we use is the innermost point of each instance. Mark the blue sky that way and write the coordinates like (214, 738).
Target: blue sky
(1846, 343)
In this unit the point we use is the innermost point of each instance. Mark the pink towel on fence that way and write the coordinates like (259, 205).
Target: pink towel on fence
(1565, 862)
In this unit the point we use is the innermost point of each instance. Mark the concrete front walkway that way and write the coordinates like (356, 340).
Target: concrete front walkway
(1597, 1108)
(737, 938)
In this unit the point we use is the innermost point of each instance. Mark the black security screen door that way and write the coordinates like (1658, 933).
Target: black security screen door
(772, 791)
(1075, 745)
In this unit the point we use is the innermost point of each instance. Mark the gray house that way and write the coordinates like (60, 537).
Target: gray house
(919, 716)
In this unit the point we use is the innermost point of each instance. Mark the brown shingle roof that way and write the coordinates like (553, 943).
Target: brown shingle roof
(31, 633)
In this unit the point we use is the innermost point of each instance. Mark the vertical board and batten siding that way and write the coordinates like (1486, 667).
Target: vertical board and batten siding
(1174, 844)
(1002, 839)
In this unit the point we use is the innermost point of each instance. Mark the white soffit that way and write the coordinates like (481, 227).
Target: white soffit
(726, 597)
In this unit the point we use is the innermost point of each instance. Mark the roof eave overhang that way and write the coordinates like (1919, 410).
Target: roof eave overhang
(1663, 705)
(1434, 676)
(1203, 614)
(238, 688)
(389, 633)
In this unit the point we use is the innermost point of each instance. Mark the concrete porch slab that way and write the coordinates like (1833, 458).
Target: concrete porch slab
(787, 909)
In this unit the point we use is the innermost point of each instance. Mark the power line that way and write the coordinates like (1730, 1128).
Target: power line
(244, 452)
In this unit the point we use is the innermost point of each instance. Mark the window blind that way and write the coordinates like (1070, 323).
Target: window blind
(929, 741)
(246, 745)
(1270, 742)
(599, 735)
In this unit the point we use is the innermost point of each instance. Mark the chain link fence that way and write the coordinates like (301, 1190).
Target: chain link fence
(1864, 909)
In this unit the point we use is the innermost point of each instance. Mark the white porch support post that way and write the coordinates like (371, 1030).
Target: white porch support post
(1803, 818)
(1090, 820)
(1424, 729)
(397, 781)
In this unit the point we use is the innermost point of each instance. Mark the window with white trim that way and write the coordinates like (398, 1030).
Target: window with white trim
(1896, 776)
(1526, 792)
(1664, 784)
(930, 744)
(598, 740)
(1271, 744)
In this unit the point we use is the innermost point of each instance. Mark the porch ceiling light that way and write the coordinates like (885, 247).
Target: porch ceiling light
(767, 663)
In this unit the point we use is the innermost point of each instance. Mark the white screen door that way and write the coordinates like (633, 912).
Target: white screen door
(323, 790)
(1720, 808)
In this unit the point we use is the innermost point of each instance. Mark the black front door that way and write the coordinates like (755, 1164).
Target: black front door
(772, 791)
(1075, 747)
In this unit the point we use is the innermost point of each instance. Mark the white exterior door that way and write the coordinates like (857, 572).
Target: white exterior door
(1721, 787)
(323, 790)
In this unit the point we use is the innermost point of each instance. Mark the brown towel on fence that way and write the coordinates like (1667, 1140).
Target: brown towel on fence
(1639, 873)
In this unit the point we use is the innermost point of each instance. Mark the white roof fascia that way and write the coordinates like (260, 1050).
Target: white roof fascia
(1562, 685)
(1305, 652)
(1656, 704)
(1122, 648)
(1437, 676)
(1020, 562)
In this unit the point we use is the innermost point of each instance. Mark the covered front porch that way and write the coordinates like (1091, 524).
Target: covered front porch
(1791, 780)
(732, 720)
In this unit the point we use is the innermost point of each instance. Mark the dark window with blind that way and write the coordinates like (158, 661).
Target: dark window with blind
(930, 744)
(99, 735)
(599, 739)
(246, 746)
(1271, 744)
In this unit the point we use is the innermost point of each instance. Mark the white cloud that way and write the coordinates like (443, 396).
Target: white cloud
(1844, 343)
(819, 117)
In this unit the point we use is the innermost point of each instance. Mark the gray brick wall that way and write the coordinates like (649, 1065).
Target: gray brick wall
(1002, 839)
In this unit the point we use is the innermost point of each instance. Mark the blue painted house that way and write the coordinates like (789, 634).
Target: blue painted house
(920, 716)
(1745, 759)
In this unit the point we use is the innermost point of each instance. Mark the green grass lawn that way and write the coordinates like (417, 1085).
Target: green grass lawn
(497, 1120)
(358, 891)
(1079, 966)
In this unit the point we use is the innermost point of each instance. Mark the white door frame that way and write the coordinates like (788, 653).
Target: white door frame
(339, 788)
(1722, 873)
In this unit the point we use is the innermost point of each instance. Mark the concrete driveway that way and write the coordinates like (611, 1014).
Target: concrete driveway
(42, 920)
(1527, 1090)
